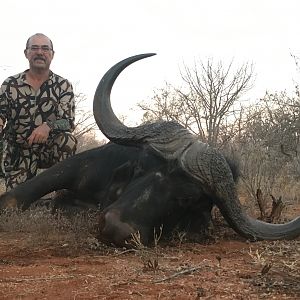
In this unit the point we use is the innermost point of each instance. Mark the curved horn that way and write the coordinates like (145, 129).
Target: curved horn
(210, 169)
(105, 118)
(163, 137)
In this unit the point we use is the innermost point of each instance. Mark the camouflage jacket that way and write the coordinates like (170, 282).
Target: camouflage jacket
(23, 109)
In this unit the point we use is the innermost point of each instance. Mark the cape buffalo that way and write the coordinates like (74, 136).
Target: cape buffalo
(150, 175)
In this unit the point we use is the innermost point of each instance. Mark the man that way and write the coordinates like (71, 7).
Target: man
(36, 115)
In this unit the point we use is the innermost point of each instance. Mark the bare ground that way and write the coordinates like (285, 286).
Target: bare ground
(226, 267)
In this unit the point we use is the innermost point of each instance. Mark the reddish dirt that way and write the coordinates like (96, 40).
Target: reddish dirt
(224, 268)
(37, 262)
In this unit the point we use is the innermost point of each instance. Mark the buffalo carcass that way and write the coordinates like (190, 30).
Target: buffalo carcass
(160, 174)
(156, 192)
(198, 164)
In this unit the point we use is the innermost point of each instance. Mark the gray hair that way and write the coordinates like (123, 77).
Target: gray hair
(38, 34)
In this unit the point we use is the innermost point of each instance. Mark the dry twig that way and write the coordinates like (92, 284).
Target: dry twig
(183, 272)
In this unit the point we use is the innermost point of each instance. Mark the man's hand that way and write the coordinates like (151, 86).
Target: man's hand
(39, 135)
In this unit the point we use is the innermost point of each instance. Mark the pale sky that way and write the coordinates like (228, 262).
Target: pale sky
(90, 36)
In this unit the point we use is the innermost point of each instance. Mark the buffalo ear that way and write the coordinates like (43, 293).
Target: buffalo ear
(123, 173)
(118, 182)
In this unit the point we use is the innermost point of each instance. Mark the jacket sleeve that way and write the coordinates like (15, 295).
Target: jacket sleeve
(3, 102)
(65, 119)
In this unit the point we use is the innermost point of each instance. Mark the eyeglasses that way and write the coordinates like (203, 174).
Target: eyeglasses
(43, 48)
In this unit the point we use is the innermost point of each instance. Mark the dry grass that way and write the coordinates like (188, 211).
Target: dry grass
(281, 260)
(45, 228)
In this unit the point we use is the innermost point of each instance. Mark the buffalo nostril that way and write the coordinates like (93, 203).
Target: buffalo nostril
(112, 229)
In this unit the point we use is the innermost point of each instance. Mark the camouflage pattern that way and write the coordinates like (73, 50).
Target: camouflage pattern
(23, 109)
(20, 163)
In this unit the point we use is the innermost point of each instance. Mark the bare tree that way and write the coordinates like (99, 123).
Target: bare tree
(213, 90)
(268, 145)
(88, 141)
(283, 115)
(205, 101)
(274, 123)
(84, 121)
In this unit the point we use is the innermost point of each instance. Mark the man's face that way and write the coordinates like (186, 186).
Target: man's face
(39, 53)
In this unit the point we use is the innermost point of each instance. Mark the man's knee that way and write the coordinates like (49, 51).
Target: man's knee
(65, 143)
(60, 147)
